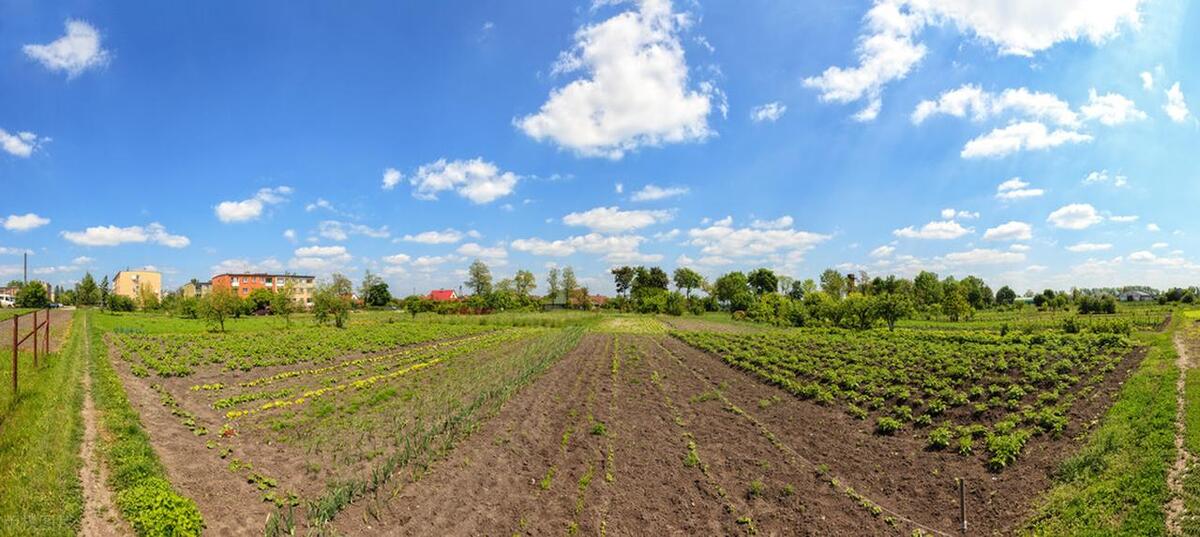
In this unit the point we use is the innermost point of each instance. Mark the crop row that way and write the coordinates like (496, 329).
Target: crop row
(177, 355)
(1003, 389)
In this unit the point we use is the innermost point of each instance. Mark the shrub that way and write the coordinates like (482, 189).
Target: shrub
(886, 425)
(153, 509)
(939, 438)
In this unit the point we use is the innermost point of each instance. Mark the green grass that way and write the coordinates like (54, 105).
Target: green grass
(144, 496)
(1190, 523)
(1117, 483)
(40, 433)
(8, 313)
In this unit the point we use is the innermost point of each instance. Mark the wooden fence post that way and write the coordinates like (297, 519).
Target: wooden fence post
(35, 338)
(14, 361)
(47, 332)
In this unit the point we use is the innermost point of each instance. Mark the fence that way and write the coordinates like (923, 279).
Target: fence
(42, 326)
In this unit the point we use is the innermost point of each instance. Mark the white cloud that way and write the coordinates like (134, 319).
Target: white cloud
(445, 236)
(1089, 247)
(1111, 109)
(82, 260)
(1176, 107)
(1075, 216)
(340, 231)
(1027, 135)
(619, 188)
(783, 222)
(320, 251)
(251, 209)
(721, 239)
(1159, 246)
(24, 222)
(290, 235)
(615, 248)
(1016, 189)
(615, 220)
(397, 259)
(981, 256)
(654, 193)
(635, 93)
(1011, 231)
(431, 262)
(1153, 228)
(73, 53)
(944, 230)
(21, 144)
(495, 255)
(391, 178)
(667, 235)
(1125, 219)
(980, 105)
(887, 49)
(320, 259)
(883, 251)
(1147, 80)
(771, 112)
(950, 214)
(1171, 261)
(114, 236)
(1019, 247)
(1102, 177)
(476, 180)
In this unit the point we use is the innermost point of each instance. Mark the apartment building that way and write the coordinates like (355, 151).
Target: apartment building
(130, 283)
(242, 284)
(195, 289)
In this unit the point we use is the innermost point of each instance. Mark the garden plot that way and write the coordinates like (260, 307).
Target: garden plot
(622, 437)
(298, 444)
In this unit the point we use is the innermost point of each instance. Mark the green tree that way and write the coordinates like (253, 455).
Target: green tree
(833, 284)
(892, 307)
(87, 293)
(1006, 296)
(687, 279)
(283, 302)
(927, 289)
(623, 278)
(374, 291)
(796, 290)
(733, 290)
(569, 284)
(217, 306)
(415, 304)
(553, 283)
(763, 281)
(479, 279)
(32, 295)
(859, 311)
(259, 299)
(524, 283)
(955, 304)
(330, 303)
(104, 292)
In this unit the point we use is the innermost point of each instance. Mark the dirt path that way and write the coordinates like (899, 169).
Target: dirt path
(100, 518)
(1183, 458)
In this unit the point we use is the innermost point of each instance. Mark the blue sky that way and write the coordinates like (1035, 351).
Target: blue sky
(1034, 146)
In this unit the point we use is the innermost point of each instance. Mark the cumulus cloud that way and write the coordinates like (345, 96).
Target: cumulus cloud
(981, 105)
(614, 248)
(1016, 189)
(496, 255)
(635, 91)
(654, 193)
(234, 266)
(1111, 109)
(1089, 247)
(981, 256)
(1147, 80)
(320, 259)
(73, 53)
(950, 214)
(252, 208)
(615, 220)
(888, 50)
(722, 239)
(391, 178)
(1176, 107)
(113, 236)
(24, 222)
(476, 180)
(445, 236)
(1027, 135)
(21, 144)
(782, 222)
(290, 235)
(340, 231)
(883, 251)
(1011, 231)
(770, 112)
(1124, 219)
(1075, 216)
(1103, 177)
(937, 230)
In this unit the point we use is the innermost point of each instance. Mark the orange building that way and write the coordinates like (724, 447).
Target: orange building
(243, 284)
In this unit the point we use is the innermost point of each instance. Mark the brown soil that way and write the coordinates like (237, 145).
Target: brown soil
(1183, 459)
(60, 320)
(100, 516)
(495, 483)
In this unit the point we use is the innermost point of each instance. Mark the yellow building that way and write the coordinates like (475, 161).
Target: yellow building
(130, 283)
(195, 290)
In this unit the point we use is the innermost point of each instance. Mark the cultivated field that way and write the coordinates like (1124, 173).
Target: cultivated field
(604, 424)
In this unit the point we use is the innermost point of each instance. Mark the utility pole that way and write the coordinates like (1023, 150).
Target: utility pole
(25, 267)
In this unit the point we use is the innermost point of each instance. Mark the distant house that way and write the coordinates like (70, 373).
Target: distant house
(443, 295)
(1136, 296)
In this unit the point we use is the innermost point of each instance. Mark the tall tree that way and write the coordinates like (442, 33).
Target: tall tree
(1006, 296)
(86, 291)
(763, 281)
(218, 306)
(32, 295)
(833, 283)
(479, 278)
(552, 283)
(282, 302)
(927, 289)
(104, 292)
(569, 284)
(524, 283)
(733, 290)
(688, 279)
(623, 278)
(331, 301)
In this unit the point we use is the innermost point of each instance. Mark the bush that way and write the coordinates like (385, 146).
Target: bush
(153, 509)
(120, 303)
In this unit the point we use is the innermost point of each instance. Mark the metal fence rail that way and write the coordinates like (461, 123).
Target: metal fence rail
(40, 328)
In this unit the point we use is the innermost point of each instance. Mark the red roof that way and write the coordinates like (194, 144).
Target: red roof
(443, 295)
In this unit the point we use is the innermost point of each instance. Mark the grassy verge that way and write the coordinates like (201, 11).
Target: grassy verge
(40, 432)
(143, 495)
(1190, 522)
(1117, 483)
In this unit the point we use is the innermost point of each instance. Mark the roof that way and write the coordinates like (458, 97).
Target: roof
(443, 294)
(264, 274)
